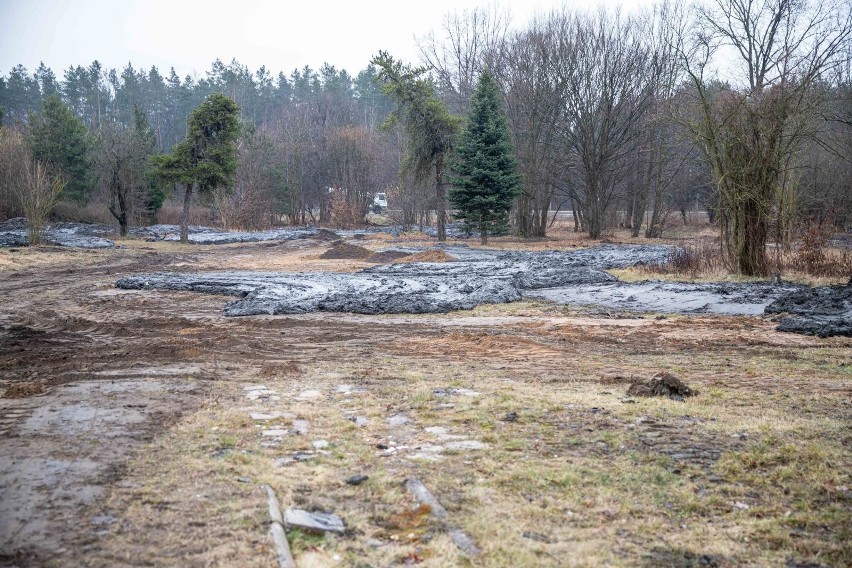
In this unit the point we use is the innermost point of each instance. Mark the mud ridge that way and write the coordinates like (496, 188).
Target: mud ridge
(824, 311)
(478, 277)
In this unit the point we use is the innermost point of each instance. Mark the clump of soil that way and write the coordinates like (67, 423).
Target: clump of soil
(24, 389)
(663, 384)
(431, 255)
(326, 235)
(346, 251)
(387, 256)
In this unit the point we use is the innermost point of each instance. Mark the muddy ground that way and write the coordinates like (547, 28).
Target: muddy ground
(137, 426)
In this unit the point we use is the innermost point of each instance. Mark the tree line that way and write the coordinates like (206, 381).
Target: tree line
(742, 108)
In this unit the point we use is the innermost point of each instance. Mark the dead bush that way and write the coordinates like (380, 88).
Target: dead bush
(694, 258)
(814, 255)
(343, 212)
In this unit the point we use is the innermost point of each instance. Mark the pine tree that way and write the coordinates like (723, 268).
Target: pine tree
(208, 156)
(486, 179)
(59, 139)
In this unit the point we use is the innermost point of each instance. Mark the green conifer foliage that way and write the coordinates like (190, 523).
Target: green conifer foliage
(207, 158)
(486, 178)
(59, 139)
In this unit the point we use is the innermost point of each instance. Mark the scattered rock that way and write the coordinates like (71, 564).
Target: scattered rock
(310, 394)
(300, 427)
(320, 444)
(357, 479)
(510, 417)
(399, 420)
(360, 421)
(266, 417)
(663, 384)
(537, 537)
(466, 445)
(294, 458)
(317, 521)
(275, 432)
(454, 392)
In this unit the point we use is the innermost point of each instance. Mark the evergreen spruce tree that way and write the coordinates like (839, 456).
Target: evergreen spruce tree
(486, 179)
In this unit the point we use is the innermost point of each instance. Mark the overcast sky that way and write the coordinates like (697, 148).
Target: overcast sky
(190, 34)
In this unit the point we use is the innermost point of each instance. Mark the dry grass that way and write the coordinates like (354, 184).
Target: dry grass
(580, 478)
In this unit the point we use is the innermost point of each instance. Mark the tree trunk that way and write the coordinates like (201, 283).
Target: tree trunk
(752, 231)
(441, 206)
(184, 226)
(483, 234)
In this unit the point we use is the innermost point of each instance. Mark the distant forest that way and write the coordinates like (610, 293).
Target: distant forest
(98, 95)
(614, 117)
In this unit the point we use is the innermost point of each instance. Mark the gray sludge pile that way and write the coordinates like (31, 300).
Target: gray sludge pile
(13, 233)
(479, 276)
(476, 277)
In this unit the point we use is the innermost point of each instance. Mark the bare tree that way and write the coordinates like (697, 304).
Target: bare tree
(776, 51)
(533, 107)
(38, 196)
(606, 72)
(470, 40)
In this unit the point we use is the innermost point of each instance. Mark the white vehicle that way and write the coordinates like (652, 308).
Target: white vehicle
(380, 201)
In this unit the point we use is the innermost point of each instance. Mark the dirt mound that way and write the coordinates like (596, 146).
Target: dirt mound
(387, 256)
(823, 312)
(346, 251)
(431, 255)
(326, 235)
(663, 384)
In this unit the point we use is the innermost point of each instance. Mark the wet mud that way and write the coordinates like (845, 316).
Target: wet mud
(467, 277)
(824, 312)
(13, 233)
(671, 297)
(211, 236)
(477, 277)
(84, 431)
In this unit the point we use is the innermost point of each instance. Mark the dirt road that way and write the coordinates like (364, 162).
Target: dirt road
(129, 434)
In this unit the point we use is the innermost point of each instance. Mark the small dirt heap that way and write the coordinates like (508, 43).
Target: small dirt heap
(345, 251)
(386, 256)
(663, 384)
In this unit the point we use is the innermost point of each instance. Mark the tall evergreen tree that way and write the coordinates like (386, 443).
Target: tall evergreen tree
(431, 129)
(59, 138)
(486, 179)
(207, 158)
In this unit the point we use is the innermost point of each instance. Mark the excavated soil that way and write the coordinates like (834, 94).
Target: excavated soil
(346, 251)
